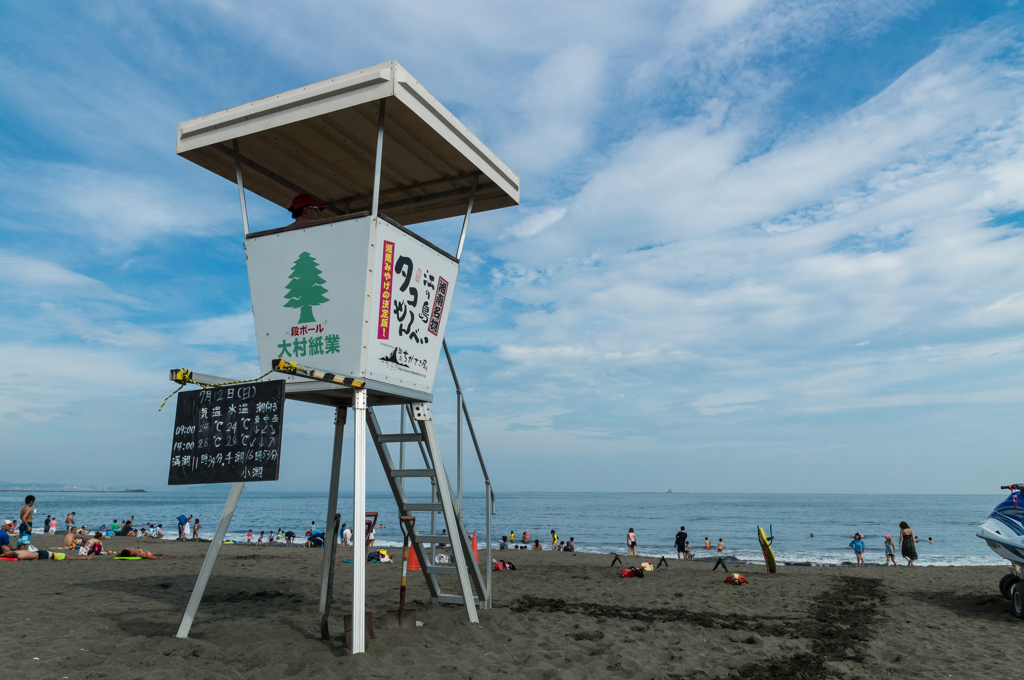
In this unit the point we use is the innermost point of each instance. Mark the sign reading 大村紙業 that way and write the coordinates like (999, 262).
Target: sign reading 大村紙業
(228, 434)
(361, 298)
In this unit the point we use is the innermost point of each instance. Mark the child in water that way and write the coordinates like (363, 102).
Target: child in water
(890, 551)
(858, 548)
(707, 543)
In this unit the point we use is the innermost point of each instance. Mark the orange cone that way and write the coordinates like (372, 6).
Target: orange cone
(475, 553)
(414, 563)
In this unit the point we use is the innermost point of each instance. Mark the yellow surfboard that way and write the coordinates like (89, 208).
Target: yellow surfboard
(766, 548)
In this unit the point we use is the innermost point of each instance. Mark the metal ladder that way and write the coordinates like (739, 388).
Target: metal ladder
(442, 501)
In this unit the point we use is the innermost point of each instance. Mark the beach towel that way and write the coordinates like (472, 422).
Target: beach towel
(127, 558)
(736, 579)
(632, 572)
(9, 559)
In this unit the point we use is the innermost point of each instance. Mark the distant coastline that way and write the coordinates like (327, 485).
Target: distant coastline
(74, 490)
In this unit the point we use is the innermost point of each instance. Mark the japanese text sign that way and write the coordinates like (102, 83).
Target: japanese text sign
(228, 434)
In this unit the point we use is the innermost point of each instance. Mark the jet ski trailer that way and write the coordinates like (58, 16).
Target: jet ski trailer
(1003, 531)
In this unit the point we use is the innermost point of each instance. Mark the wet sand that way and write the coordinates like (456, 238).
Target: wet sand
(557, 616)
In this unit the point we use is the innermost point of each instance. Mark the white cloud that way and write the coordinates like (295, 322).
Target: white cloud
(536, 223)
(729, 401)
(233, 329)
(28, 274)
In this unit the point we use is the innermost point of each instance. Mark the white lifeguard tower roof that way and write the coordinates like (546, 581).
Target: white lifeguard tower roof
(321, 140)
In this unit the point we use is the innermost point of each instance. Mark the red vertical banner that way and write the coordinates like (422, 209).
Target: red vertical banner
(386, 278)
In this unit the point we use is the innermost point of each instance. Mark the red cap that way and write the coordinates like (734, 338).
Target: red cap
(302, 200)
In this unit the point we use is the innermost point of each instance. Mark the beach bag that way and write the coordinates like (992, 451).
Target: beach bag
(736, 579)
(499, 566)
(632, 572)
(647, 566)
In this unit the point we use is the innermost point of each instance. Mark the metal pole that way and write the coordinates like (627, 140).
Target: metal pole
(469, 421)
(241, 188)
(401, 449)
(331, 535)
(211, 557)
(458, 449)
(465, 222)
(487, 509)
(380, 157)
(359, 525)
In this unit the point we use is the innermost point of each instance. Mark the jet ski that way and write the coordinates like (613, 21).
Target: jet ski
(1003, 531)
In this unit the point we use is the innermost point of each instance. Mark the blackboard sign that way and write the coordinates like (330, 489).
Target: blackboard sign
(228, 434)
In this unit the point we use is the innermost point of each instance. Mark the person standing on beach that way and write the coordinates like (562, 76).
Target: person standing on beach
(630, 542)
(890, 551)
(554, 539)
(346, 536)
(195, 529)
(25, 528)
(53, 526)
(526, 538)
(680, 543)
(259, 541)
(248, 537)
(69, 522)
(858, 548)
(907, 547)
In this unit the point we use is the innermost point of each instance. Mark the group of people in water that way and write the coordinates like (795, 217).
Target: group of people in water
(509, 543)
(905, 540)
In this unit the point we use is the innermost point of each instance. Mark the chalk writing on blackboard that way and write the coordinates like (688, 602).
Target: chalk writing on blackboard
(228, 434)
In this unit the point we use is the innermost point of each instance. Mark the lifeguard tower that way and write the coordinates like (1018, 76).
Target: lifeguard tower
(351, 308)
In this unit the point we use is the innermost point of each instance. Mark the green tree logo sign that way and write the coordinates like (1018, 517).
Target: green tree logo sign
(304, 288)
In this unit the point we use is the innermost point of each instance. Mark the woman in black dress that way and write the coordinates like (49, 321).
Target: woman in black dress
(907, 546)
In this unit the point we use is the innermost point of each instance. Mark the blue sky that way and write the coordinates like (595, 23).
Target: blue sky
(761, 247)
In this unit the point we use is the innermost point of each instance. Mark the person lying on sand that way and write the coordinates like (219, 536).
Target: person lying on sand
(5, 551)
(139, 552)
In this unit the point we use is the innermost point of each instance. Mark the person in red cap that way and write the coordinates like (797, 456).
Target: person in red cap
(305, 208)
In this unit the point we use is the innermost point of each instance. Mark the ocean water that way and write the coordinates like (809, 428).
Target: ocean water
(597, 521)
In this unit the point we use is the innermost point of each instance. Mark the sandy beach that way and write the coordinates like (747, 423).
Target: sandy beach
(558, 615)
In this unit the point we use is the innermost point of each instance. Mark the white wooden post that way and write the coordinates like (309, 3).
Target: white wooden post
(359, 525)
(211, 558)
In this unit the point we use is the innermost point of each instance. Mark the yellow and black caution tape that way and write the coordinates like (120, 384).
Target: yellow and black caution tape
(185, 377)
(293, 368)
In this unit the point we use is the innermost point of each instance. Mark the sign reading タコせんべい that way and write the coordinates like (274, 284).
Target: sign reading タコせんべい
(228, 434)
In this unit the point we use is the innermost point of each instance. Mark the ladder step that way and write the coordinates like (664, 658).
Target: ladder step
(446, 598)
(407, 437)
(441, 569)
(413, 473)
(432, 538)
(424, 507)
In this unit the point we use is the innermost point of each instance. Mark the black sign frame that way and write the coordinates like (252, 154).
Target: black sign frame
(229, 433)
